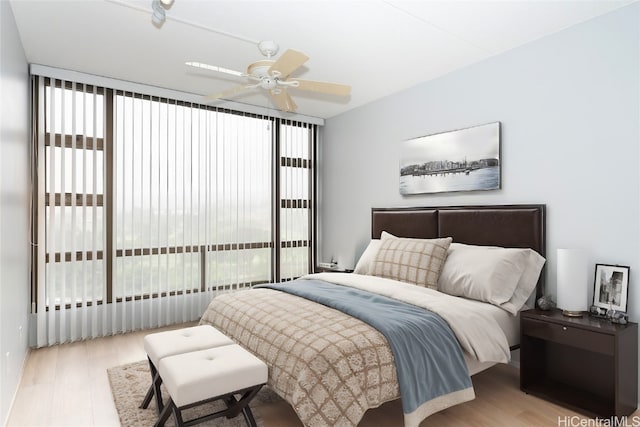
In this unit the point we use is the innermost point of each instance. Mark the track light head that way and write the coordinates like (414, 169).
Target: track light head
(158, 15)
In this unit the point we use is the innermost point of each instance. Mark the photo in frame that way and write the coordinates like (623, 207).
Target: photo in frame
(460, 160)
(611, 287)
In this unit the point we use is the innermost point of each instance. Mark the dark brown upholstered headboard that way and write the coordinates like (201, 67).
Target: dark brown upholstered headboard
(511, 226)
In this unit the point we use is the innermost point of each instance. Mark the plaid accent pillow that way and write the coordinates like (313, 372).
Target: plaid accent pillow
(415, 261)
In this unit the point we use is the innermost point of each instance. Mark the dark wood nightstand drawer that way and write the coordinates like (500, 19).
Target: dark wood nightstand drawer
(569, 335)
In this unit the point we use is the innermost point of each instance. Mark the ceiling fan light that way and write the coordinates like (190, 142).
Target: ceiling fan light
(166, 3)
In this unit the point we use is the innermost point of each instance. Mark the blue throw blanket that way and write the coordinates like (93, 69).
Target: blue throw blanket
(429, 361)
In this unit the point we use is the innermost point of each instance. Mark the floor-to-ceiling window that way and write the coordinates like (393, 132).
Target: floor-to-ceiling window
(147, 206)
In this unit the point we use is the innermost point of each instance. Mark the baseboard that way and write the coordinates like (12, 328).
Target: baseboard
(15, 393)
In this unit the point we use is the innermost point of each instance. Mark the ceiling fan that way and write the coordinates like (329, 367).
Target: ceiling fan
(275, 77)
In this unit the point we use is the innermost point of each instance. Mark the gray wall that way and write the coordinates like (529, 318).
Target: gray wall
(569, 107)
(14, 208)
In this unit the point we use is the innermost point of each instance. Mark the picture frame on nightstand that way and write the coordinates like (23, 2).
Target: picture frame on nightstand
(611, 287)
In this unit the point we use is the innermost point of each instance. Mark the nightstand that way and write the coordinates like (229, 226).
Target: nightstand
(589, 365)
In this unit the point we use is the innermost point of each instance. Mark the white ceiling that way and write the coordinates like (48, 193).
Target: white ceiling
(378, 47)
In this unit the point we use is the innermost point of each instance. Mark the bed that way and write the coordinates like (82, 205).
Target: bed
(332, 366)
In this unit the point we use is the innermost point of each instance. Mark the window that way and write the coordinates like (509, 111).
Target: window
(296, 178)
(74, 193)
(190, 214)
(147, 197)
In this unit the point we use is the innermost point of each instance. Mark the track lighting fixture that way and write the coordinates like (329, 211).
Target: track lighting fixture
(158, 11)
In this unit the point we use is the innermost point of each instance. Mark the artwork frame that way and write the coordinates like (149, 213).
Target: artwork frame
(467, 159)
(611, 287)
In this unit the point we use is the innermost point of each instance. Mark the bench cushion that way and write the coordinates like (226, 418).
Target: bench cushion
(169, 343)
(200, 375)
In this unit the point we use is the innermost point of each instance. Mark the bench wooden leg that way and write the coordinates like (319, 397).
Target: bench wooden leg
(165, 414)
(177, 414)
(154, 390)
(147, 397)
(248, 416)
(234, 407)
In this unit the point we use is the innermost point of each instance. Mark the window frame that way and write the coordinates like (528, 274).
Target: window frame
(109, 253)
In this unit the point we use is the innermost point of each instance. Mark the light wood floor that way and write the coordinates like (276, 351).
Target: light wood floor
(67, 385)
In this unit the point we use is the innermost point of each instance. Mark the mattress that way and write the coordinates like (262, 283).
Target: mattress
(510, 326)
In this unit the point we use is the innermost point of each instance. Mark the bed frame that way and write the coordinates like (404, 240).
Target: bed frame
(511, 226)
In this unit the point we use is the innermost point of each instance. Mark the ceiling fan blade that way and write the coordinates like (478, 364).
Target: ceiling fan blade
(215, 68)
(322, 87)
(229, 92)
(283, 100)
(288, 63)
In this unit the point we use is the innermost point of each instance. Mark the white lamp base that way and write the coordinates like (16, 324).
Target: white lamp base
(572, 313)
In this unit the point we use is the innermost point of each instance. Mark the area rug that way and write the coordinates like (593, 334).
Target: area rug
(129, 384)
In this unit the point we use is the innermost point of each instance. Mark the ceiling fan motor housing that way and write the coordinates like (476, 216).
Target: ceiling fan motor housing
(268, 83)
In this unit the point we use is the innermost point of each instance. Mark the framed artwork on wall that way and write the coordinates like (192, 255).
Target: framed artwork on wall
(611, 287)
(460, 160)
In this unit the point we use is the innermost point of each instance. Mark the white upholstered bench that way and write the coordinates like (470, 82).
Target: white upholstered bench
(170, 343)
(219, 373)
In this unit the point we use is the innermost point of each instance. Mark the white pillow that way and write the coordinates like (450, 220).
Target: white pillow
(365, 263)
(526, 284)
(368, 256)
(504, 277)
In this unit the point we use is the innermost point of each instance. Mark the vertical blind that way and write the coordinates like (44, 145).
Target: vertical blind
(148, 207)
